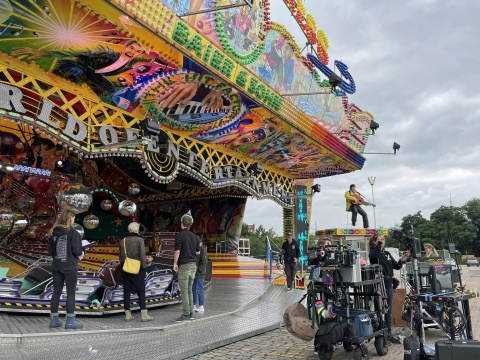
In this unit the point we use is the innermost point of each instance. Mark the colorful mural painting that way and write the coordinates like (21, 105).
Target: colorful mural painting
(176, 99)
(118, 68)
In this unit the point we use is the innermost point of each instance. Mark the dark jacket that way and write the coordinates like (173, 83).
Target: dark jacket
(202, 260)
(135, 249)
(65, 246)
(151, 268)
(290, 251)
(384, 258)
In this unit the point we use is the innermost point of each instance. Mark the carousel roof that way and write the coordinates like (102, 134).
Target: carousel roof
(177, 91)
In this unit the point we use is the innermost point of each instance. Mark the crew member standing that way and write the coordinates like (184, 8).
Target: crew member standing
(353, 197)
(291, 254)
(378, 255)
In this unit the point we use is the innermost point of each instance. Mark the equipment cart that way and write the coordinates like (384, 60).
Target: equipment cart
(353, 297)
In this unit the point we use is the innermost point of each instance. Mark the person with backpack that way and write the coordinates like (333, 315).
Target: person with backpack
(65, 246)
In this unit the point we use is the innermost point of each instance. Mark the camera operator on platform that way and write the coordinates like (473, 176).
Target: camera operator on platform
(378, 255)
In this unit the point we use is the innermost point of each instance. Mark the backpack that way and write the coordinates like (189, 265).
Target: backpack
(297, 322)
(329, 333)
(362, 325)
(411, 348)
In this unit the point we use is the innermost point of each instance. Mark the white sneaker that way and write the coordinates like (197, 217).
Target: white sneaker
(195, 308)
(199, 309)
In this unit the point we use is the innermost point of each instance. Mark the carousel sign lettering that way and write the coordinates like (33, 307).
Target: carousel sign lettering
(74, 129)
(199, 47)
(224, 173)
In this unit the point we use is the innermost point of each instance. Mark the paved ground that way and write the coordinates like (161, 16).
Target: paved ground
(279, 344)
(242, 321)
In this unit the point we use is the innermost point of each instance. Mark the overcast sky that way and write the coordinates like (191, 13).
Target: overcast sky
(415, 65)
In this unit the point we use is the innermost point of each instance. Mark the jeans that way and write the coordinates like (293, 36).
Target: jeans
(354, 208)
(290, 271)
(69, 277)
(186, 275)
(198, 294)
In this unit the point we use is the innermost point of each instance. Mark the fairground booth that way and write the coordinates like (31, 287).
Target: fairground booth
(144, 110)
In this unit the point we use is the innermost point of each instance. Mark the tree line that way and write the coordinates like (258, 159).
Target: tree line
(459, 225)
(448, 224)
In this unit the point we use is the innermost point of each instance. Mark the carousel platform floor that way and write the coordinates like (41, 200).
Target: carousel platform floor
(236, 309)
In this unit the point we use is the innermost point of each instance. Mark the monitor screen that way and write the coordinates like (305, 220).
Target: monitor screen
(440, 277)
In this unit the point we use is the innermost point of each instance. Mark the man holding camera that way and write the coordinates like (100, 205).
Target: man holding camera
(291, 253)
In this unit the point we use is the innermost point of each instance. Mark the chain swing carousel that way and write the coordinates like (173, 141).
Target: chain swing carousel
(148, 109)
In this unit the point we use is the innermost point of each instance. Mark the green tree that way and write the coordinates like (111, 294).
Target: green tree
(410, 222)
(452, 225)
(472, 211)
(258, 238)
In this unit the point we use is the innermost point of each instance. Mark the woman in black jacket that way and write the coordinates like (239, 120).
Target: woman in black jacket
(378, 255)
(65, 246)
(134, 246)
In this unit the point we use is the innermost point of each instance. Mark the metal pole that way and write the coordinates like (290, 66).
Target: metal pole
(312, 93)
(270, 266)
(219, 8)
(371, 180)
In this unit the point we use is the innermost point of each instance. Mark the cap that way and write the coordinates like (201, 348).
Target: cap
(289, 234)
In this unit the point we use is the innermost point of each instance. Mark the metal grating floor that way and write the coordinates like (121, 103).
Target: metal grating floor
(235, 309)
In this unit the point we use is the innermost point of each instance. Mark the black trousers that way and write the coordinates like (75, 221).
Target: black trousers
(290, 271)
(357, 209)
(388, 315)
(69, 277)
(134, 283)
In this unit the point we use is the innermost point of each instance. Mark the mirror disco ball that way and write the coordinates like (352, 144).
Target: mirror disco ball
(127, 208)
(134, 189)
(79, 229)
(106, 204)
(90, 221)
(75, 198)
(6, 216)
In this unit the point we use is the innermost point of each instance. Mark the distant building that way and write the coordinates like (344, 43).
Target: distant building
(250, 228)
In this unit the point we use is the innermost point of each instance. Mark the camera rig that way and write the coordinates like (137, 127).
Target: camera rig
(328, 255)
(411, 243)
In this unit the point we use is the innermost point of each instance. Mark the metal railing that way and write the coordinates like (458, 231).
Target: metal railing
(270, 255)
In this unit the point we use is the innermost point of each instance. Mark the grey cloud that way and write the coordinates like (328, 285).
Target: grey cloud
(415, 66)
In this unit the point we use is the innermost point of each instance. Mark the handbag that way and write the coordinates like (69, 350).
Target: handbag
(131, 266)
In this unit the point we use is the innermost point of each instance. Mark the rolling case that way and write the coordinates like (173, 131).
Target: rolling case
(457, 349)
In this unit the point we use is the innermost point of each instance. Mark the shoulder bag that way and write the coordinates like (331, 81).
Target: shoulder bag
(130, 266)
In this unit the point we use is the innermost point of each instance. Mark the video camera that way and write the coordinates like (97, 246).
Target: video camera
(412, 244)
(332, 255)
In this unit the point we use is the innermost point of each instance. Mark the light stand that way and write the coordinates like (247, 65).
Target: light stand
(371, 180)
